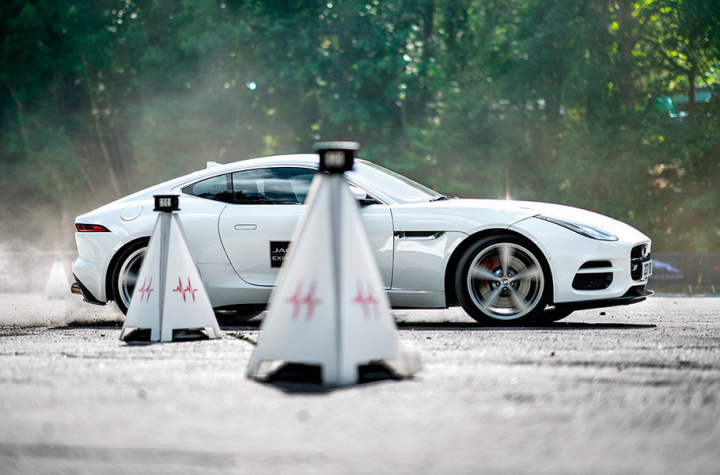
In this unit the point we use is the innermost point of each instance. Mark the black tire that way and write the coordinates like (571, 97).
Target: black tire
(503, 280)
(125, 273)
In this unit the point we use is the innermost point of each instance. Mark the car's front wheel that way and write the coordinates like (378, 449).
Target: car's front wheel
(126, 272)
(503, 280)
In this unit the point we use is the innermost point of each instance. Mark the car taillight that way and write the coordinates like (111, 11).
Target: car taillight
(91, 228)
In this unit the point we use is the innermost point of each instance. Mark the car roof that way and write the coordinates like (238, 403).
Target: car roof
(295, 160)
(307, 159)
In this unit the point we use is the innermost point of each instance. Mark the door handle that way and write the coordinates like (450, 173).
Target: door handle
(245, 227)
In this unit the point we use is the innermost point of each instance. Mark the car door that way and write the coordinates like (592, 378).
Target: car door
(255, 231)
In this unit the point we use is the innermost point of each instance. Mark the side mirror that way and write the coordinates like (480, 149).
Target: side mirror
(361, 196)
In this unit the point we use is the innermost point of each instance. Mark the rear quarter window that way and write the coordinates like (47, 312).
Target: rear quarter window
(217, 188)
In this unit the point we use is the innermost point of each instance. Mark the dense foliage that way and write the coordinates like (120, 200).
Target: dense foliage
(553, 100)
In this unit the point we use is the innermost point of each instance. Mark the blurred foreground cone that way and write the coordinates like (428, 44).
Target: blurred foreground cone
(329, 316)
(169, 301)
(57, 283)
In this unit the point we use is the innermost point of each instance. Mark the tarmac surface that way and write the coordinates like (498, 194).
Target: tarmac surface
(621, 390)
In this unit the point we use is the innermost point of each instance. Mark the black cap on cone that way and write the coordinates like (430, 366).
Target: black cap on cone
(167, 203)
(336, 157)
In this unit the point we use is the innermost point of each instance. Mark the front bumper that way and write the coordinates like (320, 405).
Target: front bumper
(632, 296)
(590, 272)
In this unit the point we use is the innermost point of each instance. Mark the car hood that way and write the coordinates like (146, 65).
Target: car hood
(532, 208)
(469, 215)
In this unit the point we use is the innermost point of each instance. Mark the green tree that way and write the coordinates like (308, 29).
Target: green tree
(546, 100)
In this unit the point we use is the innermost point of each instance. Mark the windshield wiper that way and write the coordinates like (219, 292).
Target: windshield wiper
(440, 198)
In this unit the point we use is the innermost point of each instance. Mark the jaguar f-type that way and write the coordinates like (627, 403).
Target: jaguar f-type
(505, 262)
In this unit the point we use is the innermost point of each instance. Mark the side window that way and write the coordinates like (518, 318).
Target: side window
(217, 188)
(272, 185)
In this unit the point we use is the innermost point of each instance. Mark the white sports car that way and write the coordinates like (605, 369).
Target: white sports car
(505, 262)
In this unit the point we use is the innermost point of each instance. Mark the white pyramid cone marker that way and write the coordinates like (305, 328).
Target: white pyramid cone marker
(169, 294)
(57, 283)
(329, 308)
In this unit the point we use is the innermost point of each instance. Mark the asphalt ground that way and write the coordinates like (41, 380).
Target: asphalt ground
(622, 390)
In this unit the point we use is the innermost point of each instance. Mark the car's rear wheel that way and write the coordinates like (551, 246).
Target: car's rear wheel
(503, 280)
(126, 273)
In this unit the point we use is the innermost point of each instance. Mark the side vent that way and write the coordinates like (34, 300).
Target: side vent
(594, 275)
(417, 235)
(595, 281)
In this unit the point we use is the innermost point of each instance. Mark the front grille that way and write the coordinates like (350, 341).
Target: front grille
(637, 252)
(599, 281)
(638, 255)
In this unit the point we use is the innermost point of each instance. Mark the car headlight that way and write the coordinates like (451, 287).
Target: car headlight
(584, 229)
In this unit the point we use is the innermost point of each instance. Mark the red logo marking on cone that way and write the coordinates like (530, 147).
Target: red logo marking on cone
(367, 302)
(189, 289)
(147, 289)
(297, 300)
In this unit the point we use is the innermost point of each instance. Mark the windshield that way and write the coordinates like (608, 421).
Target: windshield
(398, 187)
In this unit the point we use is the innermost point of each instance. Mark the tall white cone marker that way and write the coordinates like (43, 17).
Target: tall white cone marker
(57, 283)
(169, 295)
(329, 308)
